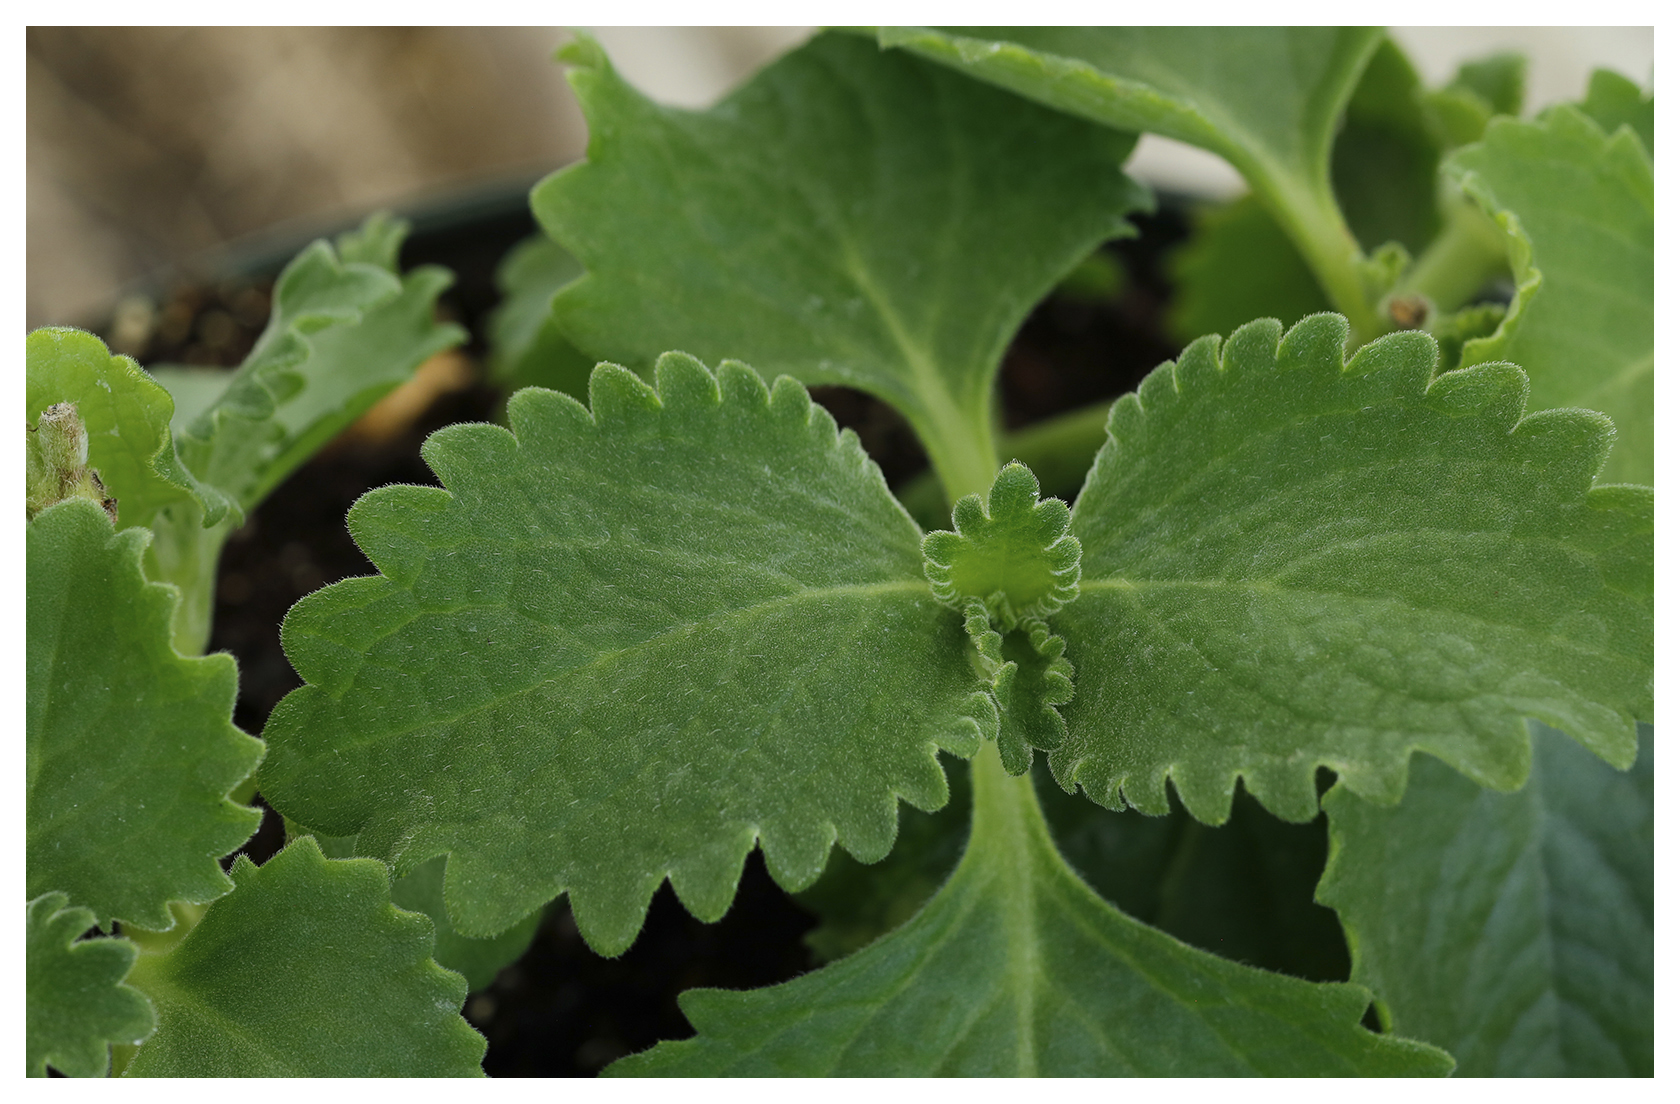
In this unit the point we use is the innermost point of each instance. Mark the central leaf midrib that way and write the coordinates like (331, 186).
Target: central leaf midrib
(713, 622)
(1119, 585)
(927, 385)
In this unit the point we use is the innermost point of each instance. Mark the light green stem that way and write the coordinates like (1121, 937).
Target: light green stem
(1059, 450)
(1313, 220)
(1469, 251)
(1008, 847)
(960, 446)
(186, 554)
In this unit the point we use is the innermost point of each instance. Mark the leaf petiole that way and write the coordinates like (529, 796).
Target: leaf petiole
(1469, 251)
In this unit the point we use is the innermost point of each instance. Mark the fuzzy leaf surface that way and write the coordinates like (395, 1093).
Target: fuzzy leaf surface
(1016, 967)
(77, 1002)
(305, 970)
(341, 334)
(131, 746)
(1577, 206)
(421, 890)
(1515, 930)
(846, 217)
(527, 348)
(624, 645)
(1288, 563)
(1265, 99)
(127, 416)
(477, 960)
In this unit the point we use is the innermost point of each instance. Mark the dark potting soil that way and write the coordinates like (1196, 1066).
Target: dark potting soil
(561, 1010)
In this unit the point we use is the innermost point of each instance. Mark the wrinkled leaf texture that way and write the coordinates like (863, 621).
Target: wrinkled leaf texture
(1291, 563)
(623, 644)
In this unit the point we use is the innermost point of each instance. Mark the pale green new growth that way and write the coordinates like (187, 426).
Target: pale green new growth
(1009, 565)
(131, 748)
(1513, 929)
(1017, 968)
(1577, 206)
(126, 416)
(1288, 564)
(624, 645)
(77, 1003)
(846, 216)
(305, 970)
(1012, 552)
(55, 463)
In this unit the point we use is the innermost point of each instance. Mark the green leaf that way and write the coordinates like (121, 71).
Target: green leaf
(1237, 266)
(477, 960)
(846, 217)
(1288, 563)
(1577, 208)
(341, 335)
(193, 389)
(1034, 679)
(126, 415)
(131, 747)
(858, 903)
(1384, 160)
(305, 970)
(1017, 967)
(1499, 79)
(527, 348)
(622, 646)
(421, 890)
(78, 1005)
(1265, 99)
(1613, 102)
(1513, 929)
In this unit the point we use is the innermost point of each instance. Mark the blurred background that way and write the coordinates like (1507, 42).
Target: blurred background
(151, 148)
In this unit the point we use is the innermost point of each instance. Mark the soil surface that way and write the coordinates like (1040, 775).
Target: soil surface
(562, 1010)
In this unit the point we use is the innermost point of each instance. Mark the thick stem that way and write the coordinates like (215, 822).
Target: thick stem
(960, 446)
(1059, 450)
(1314, 222)
(1469, 251)
(1008, 847)
(186, 554)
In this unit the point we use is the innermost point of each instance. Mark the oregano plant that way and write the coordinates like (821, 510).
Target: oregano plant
(1350, 600)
